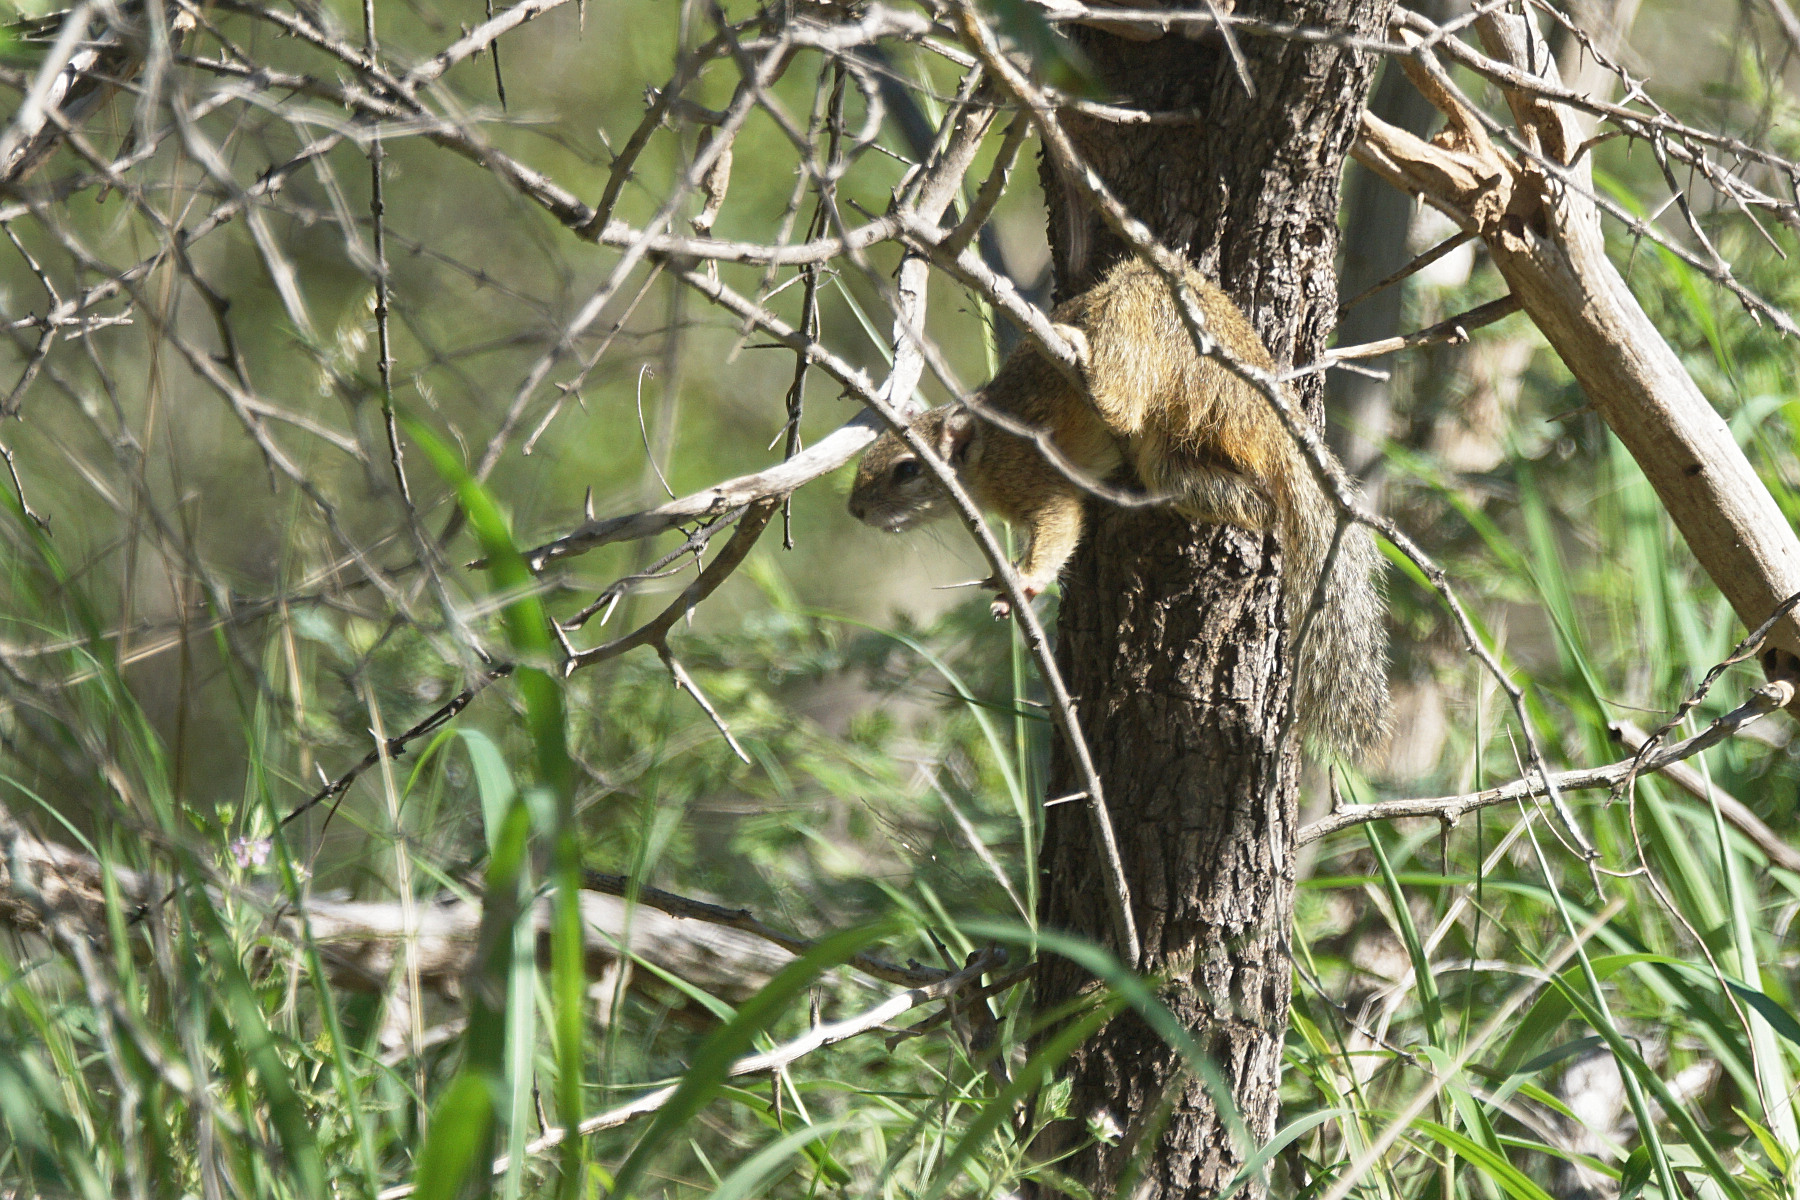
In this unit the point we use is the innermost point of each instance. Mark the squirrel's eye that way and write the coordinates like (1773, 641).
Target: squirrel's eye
(906, 470)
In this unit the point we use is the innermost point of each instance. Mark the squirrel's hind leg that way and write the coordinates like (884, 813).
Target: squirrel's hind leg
(1207, 489)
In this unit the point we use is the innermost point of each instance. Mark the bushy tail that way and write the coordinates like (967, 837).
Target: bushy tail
(1341, 693)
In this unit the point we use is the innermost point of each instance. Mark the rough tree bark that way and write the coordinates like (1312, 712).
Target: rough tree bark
(1170, 635)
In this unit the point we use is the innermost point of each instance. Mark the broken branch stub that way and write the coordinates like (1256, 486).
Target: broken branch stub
(1536, 212)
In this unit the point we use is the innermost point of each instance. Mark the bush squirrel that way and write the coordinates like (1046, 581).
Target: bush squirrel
(1194, 433)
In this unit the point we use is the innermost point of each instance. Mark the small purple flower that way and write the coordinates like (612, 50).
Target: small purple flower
(250, 852)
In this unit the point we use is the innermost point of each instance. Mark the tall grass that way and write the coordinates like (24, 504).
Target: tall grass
(1479, 1011)
(192, 1044)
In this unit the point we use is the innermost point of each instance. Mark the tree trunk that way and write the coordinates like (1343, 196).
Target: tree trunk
(1170, 633)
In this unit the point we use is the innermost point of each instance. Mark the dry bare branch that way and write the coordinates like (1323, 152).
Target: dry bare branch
(1541, 225)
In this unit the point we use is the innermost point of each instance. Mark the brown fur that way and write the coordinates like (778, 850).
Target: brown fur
(1192, 432)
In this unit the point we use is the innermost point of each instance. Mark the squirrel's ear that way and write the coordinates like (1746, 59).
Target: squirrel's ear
(1077, 340)
(954, 435)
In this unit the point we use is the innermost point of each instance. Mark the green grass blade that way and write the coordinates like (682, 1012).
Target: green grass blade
(1514, 1182)
(751, 1175)
(528, 630)
(711, 1064)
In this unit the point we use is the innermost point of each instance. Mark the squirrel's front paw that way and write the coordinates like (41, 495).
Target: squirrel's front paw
(1002, 606)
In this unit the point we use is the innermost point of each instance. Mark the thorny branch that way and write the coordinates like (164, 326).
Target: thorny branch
(234, 152)
(390, 100)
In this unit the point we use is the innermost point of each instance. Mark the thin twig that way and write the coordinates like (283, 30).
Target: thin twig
(770, 1060)
(1740, 815)
(1451, 330)
(1771, 697)
(1418, 263)
(742, 919)
(395, 746)
(686, 683)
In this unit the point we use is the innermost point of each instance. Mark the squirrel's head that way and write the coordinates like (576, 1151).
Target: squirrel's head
(894, 490)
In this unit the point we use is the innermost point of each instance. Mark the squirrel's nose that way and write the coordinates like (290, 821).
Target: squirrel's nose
(856, 507)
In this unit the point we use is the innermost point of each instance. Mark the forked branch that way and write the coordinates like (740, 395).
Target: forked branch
(1535, 210)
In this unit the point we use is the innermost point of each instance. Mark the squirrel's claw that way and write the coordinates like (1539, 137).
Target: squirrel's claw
(1002, 606)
